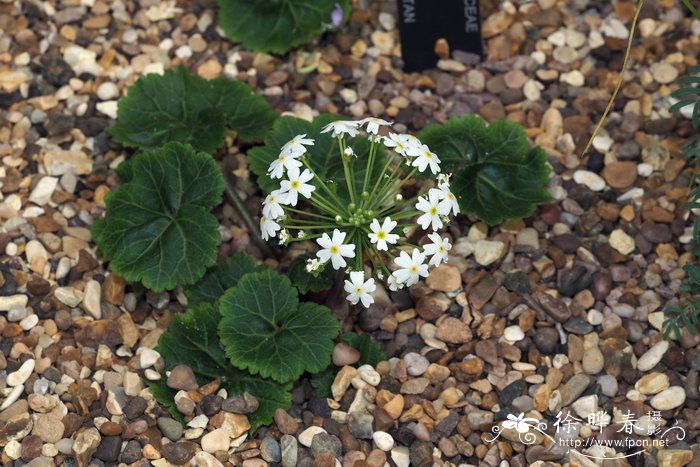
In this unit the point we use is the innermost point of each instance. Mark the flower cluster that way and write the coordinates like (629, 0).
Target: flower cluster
(363, 219)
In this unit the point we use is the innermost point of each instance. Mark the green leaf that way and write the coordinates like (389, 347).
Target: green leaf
(179, 106)
(192, 340)
(322, 381)
(158, 228)
(324, 156)
(266, 331)
(370, 353)
(306, 281)
(276, 25)
(221, 278)
(497, 175)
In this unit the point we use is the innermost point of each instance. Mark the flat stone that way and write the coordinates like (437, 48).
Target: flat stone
(620, 174)
(182, 377)
(591, 180)
(622, 242)
(41, 194)
(653, 383)
(668, 398)
(444, 278)
(453, 331)
(664, 73)
(487, 252)
(13, 301)
(653, 356)
(216, 440)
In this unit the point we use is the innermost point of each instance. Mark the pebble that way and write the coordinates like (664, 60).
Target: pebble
(22, 374)
(42, 192)
(653, 383)
(290, 449)
(343, 354)
(668, 398)
(369, 375)
(69, 296)
(172, 429)
(513, 333)
(592, 180)
(622, 242)
(487, 252)
(9, 302)
(92, 298)
(107, 91)
(653, 356)
(573, 78)
(216, 440)
(306, 437)
(383, 440)
(179, 453)
(416, 364)
(664, 73)
(180, 377)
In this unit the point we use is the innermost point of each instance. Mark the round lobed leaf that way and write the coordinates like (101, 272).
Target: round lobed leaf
(192, 340)
(158, 228)
(497, 176)
(276, 25)
(221, 278)
(180, 106)
(266, 331)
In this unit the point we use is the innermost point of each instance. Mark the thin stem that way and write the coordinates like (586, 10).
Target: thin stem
(310, 214)
(619, 81)
(379, 179)
(252, 226)
(346, 170)
(334, 197)
(368, 169)
(691, 8)
(305, 227)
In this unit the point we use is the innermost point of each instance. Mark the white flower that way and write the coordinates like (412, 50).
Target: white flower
(425, 158)
(334, 249)
(402, 144)
(394, 283)
(271, 205)
(430, 208)
(373, 124)
(296, 184)
(381, 235)
(295, 147)
(359, 290)
(340, 127)
(444, 180)
(448, 201)
(412, 267)
(349, 152)
(283, 161)
(312, 265)
(268, 227)
(283, 236)
(301, 234)
(438, 249)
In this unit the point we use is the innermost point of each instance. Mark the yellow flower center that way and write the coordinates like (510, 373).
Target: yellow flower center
(358, 289)
(428, 155)
(295, 185)
(433, 211)
(381, 235)
(441, 249)
(334, 249)
(413, 269)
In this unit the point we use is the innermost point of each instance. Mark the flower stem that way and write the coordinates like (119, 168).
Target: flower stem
(368, 168)
(252, 226)
(346, 170)
(333, 196)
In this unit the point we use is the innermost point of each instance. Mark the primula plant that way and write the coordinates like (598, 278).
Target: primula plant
(356, 213)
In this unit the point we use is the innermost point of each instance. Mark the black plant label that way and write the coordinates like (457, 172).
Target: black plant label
(424, 22)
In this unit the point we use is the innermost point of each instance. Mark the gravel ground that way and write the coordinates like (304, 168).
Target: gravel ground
(554, 315)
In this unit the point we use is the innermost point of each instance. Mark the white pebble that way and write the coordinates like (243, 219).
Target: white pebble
(595, 317)
(12, 397)
(29, 322)
(401, 456)
(41, 194)
(652, 356)
(513, 333)
(383, 440)
(17, 378)
(644, 169)
(369, 375)
(668, 398)
(108, 108)
(107, 91)
(147, 357)
(592, 180)
(573, 78)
